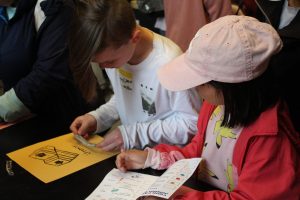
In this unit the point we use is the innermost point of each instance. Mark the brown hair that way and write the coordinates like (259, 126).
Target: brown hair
(97, 24)
(7, 2)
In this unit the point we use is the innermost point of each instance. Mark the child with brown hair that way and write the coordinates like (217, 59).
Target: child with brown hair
(105, 32)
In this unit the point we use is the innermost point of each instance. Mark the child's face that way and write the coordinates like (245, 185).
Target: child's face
(115, 58)
(210, 94)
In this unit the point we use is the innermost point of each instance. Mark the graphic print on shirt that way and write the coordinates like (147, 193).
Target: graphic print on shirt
(216, 112)
(204, 146)
(125, 79)
(147, 101)
(218, 152)
(229, 176)
(221, 132)
(204, 172)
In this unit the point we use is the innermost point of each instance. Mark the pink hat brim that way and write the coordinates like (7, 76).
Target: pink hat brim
(180, 75)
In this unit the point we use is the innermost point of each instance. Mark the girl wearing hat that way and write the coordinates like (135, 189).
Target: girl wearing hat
(245, 136)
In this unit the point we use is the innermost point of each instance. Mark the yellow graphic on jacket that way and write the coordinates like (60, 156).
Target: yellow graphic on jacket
(229, 177)
(204, 172)
(222, 132)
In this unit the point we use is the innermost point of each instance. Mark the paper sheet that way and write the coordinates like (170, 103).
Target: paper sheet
(58, 157)
(4, 125)
(122, 186)
(131, 185)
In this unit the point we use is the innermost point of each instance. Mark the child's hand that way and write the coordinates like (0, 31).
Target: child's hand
(132, 159)
(83, 125)
(112, 141)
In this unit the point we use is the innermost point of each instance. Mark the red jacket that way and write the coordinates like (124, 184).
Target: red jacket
(266, 155)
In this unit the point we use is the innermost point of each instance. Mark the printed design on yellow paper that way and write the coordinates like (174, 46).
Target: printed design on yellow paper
(52, 156)
(58, 157)
(204, 172)
(125, 78)
(229, 177)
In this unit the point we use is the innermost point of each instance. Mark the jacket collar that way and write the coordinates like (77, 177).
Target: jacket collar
(24, 6)
(269, 8)
(273, 10)
(50, 7)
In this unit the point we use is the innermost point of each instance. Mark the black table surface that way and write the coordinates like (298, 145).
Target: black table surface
(23, 185)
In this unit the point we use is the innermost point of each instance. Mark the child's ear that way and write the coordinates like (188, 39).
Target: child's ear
(136, 36)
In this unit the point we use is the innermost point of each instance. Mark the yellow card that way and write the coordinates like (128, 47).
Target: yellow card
(58, 157)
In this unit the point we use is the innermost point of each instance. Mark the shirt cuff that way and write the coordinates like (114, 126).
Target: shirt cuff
(125, 137)
(11, 107)
(153, 158)
(99, 126)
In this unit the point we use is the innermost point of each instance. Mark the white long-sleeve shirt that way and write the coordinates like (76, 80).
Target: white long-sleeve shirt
(149, 113)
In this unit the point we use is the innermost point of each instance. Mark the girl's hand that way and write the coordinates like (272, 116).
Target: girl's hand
(132, 159)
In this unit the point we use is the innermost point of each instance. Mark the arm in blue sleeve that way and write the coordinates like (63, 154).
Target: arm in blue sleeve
(11, 108)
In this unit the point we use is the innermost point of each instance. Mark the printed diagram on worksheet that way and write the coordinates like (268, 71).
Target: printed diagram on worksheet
(122, 186)
(53, 156)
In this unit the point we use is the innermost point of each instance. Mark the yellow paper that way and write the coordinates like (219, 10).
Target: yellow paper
(58, 157)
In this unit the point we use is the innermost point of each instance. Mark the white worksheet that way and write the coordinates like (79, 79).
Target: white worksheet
(130, 185)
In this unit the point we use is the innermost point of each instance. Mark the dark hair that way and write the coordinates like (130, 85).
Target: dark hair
(244, 102)
(97, 24)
